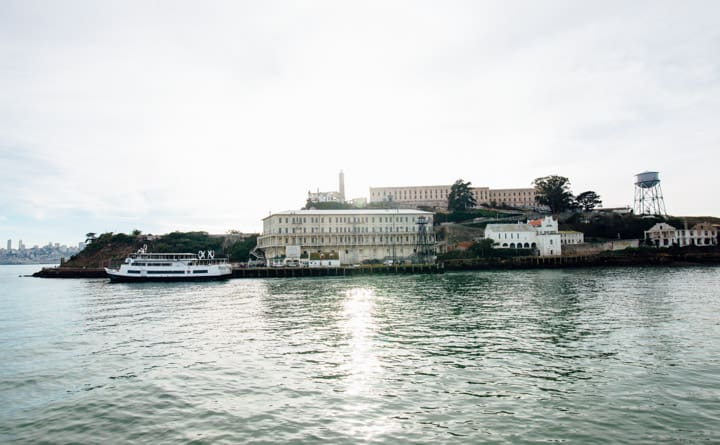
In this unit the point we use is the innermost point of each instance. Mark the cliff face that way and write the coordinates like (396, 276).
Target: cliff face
(456, 233)
(101, 257)
(104, 249)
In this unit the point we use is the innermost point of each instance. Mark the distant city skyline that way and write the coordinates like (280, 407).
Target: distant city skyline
(169, 116)
(51, 253)
(23, 245)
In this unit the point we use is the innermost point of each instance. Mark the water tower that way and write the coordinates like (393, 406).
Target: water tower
(648, 195)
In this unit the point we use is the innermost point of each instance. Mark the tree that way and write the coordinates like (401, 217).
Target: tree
(588, 200)
(240, 251)
(554, 191)
(90, 237)
(483, 248)
(461, 197)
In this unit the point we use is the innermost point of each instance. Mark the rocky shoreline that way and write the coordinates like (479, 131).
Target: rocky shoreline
(70, 272)
(614, 259)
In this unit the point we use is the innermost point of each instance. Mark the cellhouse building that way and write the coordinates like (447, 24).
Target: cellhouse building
(351, 236)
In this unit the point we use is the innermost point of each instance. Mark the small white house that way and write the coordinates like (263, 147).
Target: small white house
(665, 235)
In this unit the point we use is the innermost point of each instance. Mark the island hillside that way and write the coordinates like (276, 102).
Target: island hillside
(115, 247)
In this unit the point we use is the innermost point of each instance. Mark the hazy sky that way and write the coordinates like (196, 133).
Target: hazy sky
(170, 115)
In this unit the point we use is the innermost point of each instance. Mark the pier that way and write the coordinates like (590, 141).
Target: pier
(290, 272)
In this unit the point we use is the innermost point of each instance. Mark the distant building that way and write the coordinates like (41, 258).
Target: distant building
(665, 235)
(430, 196)
(359, 202)
(571, 237)
(9, 245)
(542, 236)
(335, 196)
(521, 197)
(324, 196)
(619, 210)
(352, 236)
(436, 196)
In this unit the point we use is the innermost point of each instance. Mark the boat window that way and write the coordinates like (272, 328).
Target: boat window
(174, 272)
(200, 271)
(133, 271)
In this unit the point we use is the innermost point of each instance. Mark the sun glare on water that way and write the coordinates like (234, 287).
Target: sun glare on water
(359, 326)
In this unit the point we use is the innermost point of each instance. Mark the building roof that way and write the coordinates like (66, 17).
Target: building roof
(464, 245)
(510, 228)
(351, 212)
(410, 187)
(661, 226)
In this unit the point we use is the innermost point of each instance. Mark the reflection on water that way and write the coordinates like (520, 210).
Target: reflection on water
(359, 328)
(582, 356)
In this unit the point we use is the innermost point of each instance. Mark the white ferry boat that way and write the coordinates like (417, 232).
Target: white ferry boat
(143, 266)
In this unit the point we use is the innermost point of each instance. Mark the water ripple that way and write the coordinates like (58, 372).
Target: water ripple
(580, 356)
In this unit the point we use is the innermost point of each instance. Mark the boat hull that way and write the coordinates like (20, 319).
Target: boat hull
(117, 278)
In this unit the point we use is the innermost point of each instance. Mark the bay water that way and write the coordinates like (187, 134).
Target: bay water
(616, 355)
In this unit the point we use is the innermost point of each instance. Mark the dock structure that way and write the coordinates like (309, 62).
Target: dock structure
(342, 271)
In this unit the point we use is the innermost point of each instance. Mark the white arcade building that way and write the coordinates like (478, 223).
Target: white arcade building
(542, 235)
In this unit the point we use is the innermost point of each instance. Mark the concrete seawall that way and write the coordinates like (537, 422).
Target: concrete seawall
(660, 258)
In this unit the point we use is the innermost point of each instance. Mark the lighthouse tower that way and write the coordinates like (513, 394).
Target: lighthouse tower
(341, 188)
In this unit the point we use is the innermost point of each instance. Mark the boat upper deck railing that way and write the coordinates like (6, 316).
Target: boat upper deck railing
(164, 256)
(170, 261)
(205, 256)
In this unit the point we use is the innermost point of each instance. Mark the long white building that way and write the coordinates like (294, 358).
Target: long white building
(353, 236)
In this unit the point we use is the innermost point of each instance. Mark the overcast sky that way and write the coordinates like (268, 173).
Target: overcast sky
(171, 115)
